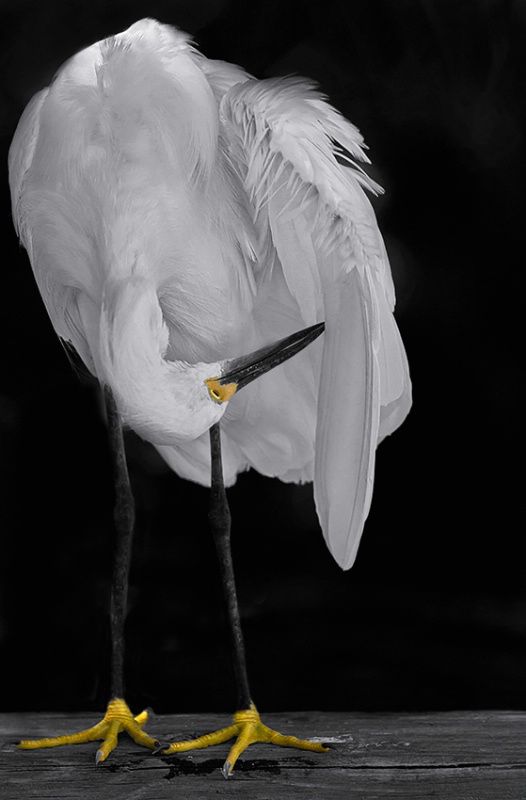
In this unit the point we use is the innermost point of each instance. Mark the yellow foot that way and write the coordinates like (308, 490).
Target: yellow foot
(118, 718)
(248, 729)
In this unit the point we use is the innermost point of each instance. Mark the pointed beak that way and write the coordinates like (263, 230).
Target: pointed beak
(241, 371)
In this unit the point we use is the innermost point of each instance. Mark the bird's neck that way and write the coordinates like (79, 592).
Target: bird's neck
(153, 395)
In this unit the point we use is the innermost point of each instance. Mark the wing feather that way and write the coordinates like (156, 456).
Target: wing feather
(286, 143)
(21, 153)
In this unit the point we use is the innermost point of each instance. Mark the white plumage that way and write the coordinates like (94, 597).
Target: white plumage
(177, 212)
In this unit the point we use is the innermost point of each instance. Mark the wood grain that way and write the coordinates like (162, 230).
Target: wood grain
(459, 755)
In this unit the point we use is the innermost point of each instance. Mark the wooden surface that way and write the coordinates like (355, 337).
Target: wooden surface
(461, 755)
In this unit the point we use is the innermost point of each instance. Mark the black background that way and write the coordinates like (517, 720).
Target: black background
(433, 615)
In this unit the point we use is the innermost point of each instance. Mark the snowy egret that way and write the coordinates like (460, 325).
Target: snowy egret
(178, 214)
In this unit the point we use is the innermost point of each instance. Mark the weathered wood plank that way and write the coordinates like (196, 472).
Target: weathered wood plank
(446, 755)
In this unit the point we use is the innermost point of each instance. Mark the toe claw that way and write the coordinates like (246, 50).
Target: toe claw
(227, 769)
(10, 745)
(160, 749)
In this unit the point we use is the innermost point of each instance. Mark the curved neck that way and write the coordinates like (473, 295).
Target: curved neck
(153, 395)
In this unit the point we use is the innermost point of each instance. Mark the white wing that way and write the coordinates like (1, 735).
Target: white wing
(22, 150)
(288, 144)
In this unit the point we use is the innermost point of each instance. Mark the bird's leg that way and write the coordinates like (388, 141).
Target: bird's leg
(118, 716)
(124, 519)
(247, 727)
(220, 524)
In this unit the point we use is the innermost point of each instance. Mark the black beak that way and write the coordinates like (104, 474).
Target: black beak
(245, 369)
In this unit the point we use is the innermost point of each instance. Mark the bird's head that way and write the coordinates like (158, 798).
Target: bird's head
(204, 390)
(167, 401)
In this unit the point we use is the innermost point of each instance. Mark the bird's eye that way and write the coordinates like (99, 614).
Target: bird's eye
(218, 392)
(215, 390)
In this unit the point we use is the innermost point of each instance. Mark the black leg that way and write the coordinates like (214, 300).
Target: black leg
(124, 517)
(247, 727)
(219, 517)
(118, 716)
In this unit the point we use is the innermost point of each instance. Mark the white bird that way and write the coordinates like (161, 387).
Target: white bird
(179, 213)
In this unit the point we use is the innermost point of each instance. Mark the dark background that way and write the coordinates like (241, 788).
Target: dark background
(433, 615)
